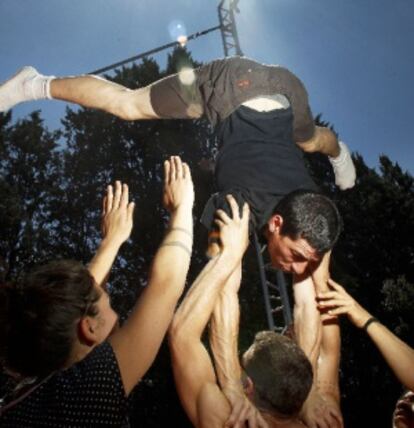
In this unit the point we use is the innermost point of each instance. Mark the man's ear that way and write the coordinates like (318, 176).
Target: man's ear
(87, 331)
(275, 223)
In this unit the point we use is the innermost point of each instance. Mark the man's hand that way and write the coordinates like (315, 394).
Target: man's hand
(321, 411)
(242, 410)
(117, 214)
(178, 185)
(338, 302)
(234, 232)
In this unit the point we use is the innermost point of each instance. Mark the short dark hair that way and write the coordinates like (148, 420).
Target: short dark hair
(281, 374)
(41, 314)
(312, 216)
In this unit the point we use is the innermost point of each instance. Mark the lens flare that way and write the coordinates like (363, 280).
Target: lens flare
(177, 31)
(182, 40)
(186, 76)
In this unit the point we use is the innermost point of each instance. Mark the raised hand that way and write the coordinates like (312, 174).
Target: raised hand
(117, 214)
(234, 232)
(178, 185)
(338, 302)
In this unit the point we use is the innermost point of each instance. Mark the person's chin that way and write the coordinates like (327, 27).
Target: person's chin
(401, 420)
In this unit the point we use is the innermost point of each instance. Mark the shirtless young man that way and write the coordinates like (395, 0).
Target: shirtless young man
(269, 386)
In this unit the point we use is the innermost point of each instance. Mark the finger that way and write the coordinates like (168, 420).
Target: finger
(104, 206)
(219, 223)
(187, 172)
(252, 419)
(262, 422)
(325, 295)
(167, 168)
(178, 167)
(235, 213)
(172, 170)
(246, 212)
(329, 420)
(109, 198)
(337, 415)
(117, 195)
(241, 416)
(333, 302)
(130, 211)
(325, 317)
(335, 285)
(221, 215)
(338, 311)
(124, 196)
(231, 421)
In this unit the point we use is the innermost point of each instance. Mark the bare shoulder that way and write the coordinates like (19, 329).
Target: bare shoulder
(213, 409)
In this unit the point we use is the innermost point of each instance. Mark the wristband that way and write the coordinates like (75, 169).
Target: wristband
(368, 322)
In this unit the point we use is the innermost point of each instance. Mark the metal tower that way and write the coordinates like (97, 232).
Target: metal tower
(228, 28)
(276, 298)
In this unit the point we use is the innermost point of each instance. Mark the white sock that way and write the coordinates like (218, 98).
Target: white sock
(26, 85)
(38, 87)
(344, 169)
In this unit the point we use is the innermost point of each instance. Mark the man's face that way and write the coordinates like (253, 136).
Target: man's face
(293, 256)
(403, 414)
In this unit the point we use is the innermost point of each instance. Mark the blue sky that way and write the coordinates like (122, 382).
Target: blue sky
(354, 56)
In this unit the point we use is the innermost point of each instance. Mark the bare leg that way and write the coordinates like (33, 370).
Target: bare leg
(95, 92)
(88, 91)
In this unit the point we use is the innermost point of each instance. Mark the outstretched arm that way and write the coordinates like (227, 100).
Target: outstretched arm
(224, 335)
(321, 409)
(117, 219)
(398, 355)
(137, 342)
(193, 370)
(307, 320)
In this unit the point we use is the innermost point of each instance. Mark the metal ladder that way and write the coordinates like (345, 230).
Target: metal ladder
(276, 298)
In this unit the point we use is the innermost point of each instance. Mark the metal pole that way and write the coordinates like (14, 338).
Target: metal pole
(287, 312)
(263, 280)
(152, 51)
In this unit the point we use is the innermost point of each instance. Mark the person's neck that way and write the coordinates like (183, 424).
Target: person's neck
(78, 353)
(279, 422)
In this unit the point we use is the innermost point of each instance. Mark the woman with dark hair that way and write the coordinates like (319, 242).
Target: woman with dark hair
(59, 334)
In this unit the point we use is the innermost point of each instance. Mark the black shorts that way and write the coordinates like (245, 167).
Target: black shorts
(223, 85)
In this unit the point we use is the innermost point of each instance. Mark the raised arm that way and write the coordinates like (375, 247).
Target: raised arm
(322, 406)
(307, 320)
(137, 342)
(117, 219)
(194, 374)
(398, 355)
(224, 335)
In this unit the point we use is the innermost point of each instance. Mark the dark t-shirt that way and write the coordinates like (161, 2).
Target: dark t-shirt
(88, 394)
(258, 162)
